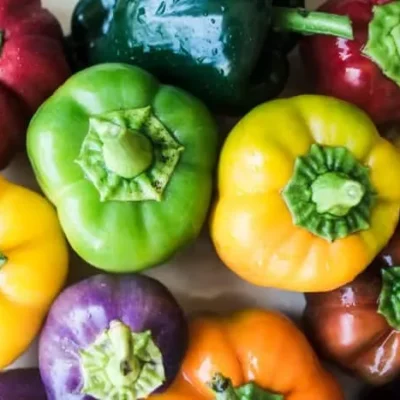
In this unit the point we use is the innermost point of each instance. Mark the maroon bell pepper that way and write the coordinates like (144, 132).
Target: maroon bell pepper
(366, 70)
(32, 66)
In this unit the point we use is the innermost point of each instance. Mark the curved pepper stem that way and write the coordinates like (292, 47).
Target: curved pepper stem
(311, 22)
(122, 364)
(224, 390)
(336, 194)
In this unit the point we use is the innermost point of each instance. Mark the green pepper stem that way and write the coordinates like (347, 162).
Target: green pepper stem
(121, 364)
(311, 22)
(383, 46)
(389, 299)
(224, 390)
(126, 152)
(336, 194)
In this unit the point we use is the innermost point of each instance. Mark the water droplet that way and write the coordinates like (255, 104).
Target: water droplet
(212, 20)
(214, 52)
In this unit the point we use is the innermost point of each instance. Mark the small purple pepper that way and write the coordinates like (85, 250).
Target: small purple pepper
(21, 384)
(112, 337)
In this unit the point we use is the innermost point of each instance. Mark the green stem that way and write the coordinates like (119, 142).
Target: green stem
(129, 155)
(389, 299)
(224, 390)
(330, 193)
(121, 364)
(336, 194)
(3, 260)
(383, 46)
(311, 22)
(126, 152)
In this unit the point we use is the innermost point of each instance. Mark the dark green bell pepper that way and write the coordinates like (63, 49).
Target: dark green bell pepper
(128, 164)
(230, 53)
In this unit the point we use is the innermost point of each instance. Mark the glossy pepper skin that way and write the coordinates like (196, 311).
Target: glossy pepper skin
(251, 346)
(32, 66)
(220, 51)
(286, 169)
(34, 260)
(128, 165)
(112, 337)
(349, 326)
(338, 67)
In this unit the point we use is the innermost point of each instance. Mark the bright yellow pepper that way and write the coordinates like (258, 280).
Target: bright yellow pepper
(33, 266)
(309, 193)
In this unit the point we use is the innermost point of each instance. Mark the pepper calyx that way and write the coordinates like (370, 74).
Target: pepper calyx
(121, 364)
(389, 299)
(129, 155)
(224, 390)
(383, 45)
(330, 193)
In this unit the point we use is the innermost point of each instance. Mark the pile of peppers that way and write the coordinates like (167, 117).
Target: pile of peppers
(302, 195)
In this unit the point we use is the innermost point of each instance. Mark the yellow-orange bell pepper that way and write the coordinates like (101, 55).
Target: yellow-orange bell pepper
(309, 193)
(257, 352)
(33, 266)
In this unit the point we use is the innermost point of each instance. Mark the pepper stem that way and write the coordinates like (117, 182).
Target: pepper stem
(3, 260)
(383, 46)
(224, 390)
(124, 367)
(311, 22)
(336, 194)
(127, 153)
(121, 364)
(389, 299)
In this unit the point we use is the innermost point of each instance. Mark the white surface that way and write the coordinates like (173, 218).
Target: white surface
(196, 277)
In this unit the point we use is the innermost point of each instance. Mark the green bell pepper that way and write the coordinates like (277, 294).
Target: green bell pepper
(230, 53)
(128, 164)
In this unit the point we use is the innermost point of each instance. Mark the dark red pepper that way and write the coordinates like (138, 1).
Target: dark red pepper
(358, 324)
(32, 66)
(339, 67)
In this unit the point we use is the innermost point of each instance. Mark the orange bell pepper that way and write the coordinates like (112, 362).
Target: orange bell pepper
(252, 354)
(33, 266)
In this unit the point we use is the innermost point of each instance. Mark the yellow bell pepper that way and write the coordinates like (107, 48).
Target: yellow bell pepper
(309, 193)
(33, 266)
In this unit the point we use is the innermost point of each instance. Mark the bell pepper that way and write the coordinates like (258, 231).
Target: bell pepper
(357, 325)
(230, 53)
(250, 355)
(127, 162)
(364, 71)
(32, 66)
(33, 267)
(306, 194)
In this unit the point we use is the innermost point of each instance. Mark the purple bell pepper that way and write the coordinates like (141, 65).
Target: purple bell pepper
(112, 337)
(21, 384)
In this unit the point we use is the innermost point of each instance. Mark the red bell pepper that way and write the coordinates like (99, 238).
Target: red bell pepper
(32, 66)
(366, 70)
